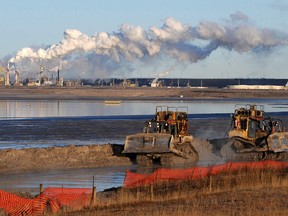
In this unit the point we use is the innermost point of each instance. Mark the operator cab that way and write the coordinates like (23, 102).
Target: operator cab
(168, 120)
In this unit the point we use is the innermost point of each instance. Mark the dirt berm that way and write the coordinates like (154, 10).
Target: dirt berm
(88, 156)
(36, 159)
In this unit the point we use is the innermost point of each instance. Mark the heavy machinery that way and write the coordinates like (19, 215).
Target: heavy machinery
(165, 139)
(253, 136)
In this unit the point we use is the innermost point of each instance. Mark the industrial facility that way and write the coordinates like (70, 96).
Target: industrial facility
(42, 78)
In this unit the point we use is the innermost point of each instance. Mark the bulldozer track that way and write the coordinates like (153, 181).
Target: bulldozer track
(229, 152)
(142, 159)
(167, 159)
(279, 156)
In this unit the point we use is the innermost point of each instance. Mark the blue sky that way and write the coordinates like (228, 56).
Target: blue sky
(34, 23)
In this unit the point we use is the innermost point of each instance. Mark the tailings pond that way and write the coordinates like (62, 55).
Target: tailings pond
(37, 123)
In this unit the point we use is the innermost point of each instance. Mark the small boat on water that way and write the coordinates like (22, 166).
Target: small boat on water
(112, 102)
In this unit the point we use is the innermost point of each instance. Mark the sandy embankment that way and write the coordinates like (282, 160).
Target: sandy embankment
(37, 159)
(90, 156)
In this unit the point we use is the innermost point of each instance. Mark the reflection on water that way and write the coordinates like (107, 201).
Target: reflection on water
(64, 108)
(104, 178)
(81, 178)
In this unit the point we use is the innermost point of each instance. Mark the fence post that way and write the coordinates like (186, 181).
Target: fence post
(210, 182)
(137, 194)
(152, 192)
(41, 188)
(93, 198)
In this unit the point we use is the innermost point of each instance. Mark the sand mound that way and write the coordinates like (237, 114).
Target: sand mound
(88, 156)
(33, 159)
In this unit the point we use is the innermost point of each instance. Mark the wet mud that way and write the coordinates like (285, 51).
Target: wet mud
(56, 151)
(31, 145)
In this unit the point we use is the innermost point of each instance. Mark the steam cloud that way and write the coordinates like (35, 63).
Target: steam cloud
(104, 52)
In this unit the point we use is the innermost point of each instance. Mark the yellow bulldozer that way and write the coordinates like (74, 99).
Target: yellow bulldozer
(254, 135)
(164, 140)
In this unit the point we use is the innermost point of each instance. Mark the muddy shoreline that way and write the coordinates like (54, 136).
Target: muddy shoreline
(69, 157)
(33, 160)
(86, 156)
(132, 93)
(98, 154)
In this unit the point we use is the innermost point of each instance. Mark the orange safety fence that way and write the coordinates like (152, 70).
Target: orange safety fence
(15, 205)
(74, 198)
(50, 200)
(42, 204)
(161, 174)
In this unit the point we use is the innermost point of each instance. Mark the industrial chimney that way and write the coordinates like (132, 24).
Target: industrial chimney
(17, 78)
(7, 79)
(58, 76)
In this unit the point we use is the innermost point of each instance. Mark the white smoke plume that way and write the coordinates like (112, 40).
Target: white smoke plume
(105, 52)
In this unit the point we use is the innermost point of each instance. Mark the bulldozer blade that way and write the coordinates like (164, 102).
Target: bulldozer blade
(278, 142)
(148, 143)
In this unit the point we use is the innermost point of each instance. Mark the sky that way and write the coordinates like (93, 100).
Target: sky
(150, 38)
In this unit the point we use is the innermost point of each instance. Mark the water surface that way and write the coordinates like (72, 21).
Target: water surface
(41, 123)
(72, 108)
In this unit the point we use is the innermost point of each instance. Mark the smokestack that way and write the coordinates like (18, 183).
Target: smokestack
(7, 80)
(16, 78)
(58, 74)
